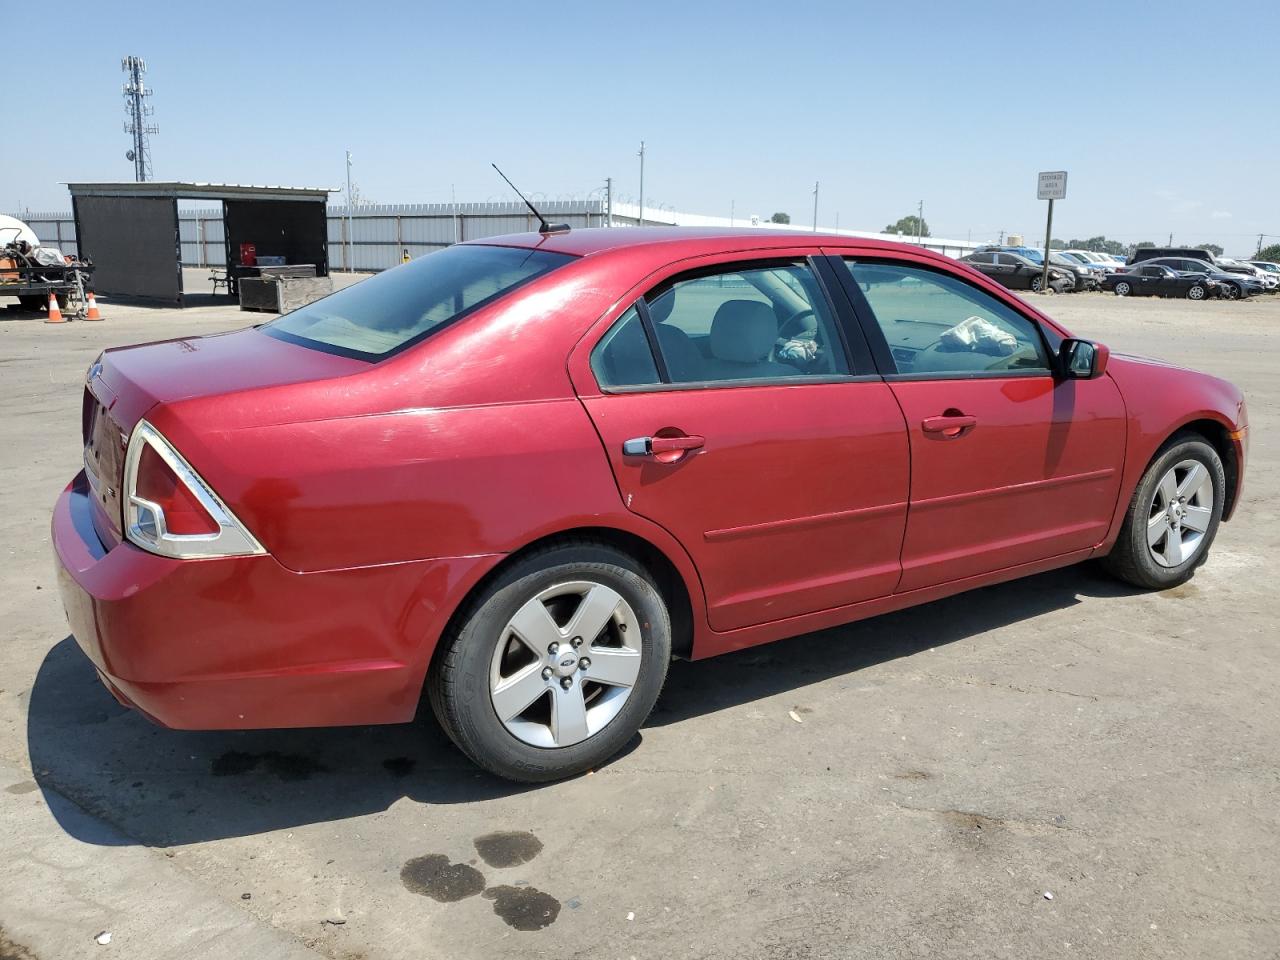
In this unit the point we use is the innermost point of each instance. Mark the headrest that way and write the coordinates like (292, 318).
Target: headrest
(743, 331)
(661, 308)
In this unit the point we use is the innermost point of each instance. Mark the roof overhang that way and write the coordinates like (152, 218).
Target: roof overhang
(180, 190)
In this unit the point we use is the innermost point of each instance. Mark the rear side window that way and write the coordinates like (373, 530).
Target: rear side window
(383, 315)
(938, 324)
(623, 357)
(768, 322)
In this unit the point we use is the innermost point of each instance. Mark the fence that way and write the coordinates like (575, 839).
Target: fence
(375, 237)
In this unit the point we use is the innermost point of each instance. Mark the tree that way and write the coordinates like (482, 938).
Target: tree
(1213, 248)
(1099, 244)
(910, 226)
(1143, 245)
(780, 218)
(1271, 253)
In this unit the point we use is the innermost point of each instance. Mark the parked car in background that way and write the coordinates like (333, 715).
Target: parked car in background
(1091, 256)
(1245, 269)
(483, 475)
(1017, 272)
(1085, 276)
(1153, 280)
(1232, 286)
(1187, 253)
(1267, 266)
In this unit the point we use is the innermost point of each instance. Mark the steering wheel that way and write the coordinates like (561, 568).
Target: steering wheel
(790, 329)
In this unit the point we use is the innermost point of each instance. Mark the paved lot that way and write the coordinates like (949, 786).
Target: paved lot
(953, 763)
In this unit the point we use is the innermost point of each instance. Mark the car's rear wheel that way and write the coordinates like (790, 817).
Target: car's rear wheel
(552, 669)
(1172, 518)
(1196, 292)
(1231, 291)
(1123, 289)
(1036, 283)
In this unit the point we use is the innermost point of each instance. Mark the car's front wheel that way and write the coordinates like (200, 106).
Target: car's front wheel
(1173, 517)
(1197, 292)
(555, 666)
(1123, 289)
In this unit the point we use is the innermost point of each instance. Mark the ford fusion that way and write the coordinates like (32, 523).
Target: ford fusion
(520, 475)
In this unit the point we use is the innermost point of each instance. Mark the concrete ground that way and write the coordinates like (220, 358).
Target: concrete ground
(951, 769)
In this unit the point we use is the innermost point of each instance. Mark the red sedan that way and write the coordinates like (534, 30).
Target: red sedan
(521, 474)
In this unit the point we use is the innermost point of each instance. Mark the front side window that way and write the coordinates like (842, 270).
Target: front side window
(768, 322)
(383, 315)
(938, 324)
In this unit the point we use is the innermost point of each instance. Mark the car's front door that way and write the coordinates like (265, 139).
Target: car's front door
(734, 414)
(1009, 464)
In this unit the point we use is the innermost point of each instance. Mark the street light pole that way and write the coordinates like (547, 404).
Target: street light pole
(920, 224)
(641, 222)
(815, 206)
(608, 194)
(350, 247)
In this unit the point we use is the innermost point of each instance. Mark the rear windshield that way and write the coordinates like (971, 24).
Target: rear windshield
(380, 316)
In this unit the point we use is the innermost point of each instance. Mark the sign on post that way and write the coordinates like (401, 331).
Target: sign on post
(1052, 185)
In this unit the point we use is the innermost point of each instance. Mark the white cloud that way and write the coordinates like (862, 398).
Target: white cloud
(1220, 215)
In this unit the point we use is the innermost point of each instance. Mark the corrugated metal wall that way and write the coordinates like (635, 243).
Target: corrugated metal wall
(380, 234)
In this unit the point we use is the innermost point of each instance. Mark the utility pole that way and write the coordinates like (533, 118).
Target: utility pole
(815, 206)
(641, 222)
(1170, 243)
(1259, 251)
(135, 94)
(920, 224)
(608, 201)
(350, 248)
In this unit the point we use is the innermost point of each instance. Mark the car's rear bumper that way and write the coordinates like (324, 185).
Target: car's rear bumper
(243, 642)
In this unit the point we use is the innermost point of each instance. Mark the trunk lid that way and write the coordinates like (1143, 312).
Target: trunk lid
(128, 381)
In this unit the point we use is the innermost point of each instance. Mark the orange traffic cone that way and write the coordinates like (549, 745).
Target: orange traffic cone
(55, 315)
(93, 313)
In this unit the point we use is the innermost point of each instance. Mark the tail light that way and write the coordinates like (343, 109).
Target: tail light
(170, 510)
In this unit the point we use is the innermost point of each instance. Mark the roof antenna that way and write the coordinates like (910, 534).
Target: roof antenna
(546, 227)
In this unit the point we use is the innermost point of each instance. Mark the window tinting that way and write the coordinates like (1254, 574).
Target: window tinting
(622, 358)
(388, 312)
(935, 323)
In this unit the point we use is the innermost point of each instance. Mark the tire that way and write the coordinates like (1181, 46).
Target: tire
(1123, 289)
(483, 663)
(1036, 282)
(1153, 564)
(1196, 292)
(1231, 292)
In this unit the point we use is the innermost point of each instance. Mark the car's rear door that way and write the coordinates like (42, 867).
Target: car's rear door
(1009, 464)
(735, 415)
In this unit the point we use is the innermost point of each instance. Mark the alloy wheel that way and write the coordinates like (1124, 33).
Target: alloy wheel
(1195, 293)
(1180, 514)
(1122, 289)
(565, 664)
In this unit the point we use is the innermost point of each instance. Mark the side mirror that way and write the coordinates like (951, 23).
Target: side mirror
(1082, 359)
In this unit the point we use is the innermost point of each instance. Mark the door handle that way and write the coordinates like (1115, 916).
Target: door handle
(948, 425)
(662, 449)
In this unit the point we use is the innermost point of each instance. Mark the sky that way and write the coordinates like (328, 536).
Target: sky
(1164, 116)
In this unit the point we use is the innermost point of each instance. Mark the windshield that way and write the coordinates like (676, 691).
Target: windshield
(383, 315)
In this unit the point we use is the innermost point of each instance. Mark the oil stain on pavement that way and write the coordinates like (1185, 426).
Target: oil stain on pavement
(435, 877)
(524, 908)
(508, 848)
(520, 906)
